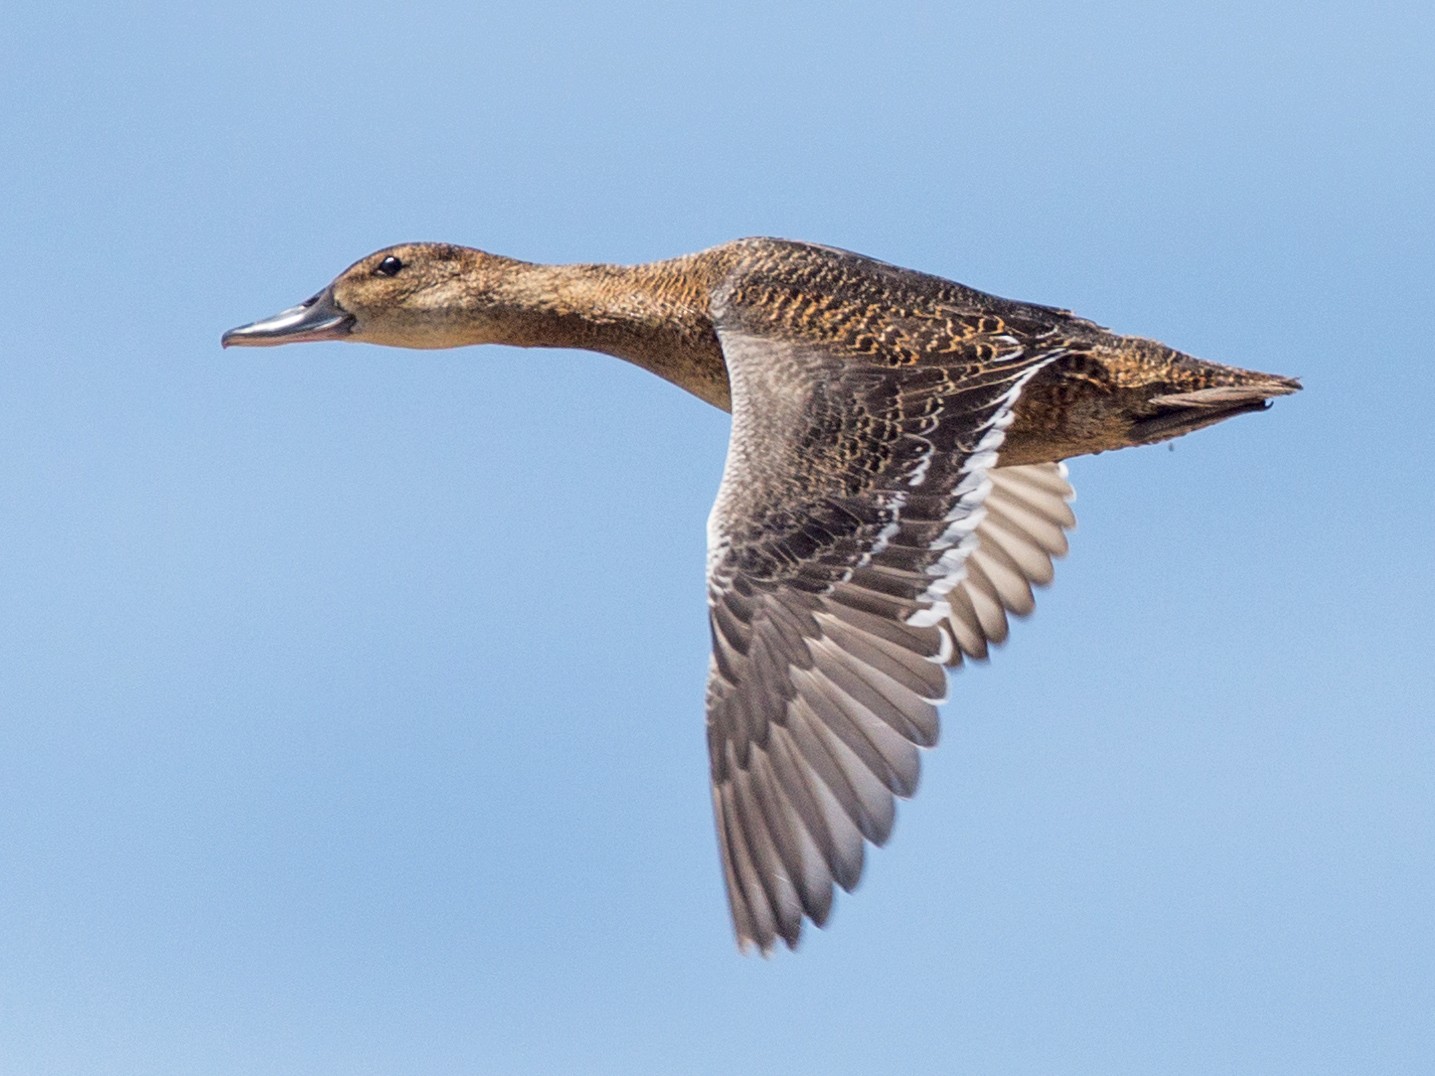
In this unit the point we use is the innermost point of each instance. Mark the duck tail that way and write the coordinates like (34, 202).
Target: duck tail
(1176, 413)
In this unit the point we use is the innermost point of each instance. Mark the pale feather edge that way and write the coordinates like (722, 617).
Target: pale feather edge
(972, 488)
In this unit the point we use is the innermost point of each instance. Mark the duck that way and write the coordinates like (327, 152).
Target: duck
(894, 489)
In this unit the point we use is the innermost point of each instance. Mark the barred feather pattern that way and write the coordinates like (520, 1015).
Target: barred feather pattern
(851, 498)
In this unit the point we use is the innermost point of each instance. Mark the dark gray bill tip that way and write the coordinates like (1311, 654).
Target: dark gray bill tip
(319, 318)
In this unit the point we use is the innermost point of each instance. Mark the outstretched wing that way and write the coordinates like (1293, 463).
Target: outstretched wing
(1023, 529)
(854, 481)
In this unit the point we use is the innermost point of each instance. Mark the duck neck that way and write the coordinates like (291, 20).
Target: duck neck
(654, 315)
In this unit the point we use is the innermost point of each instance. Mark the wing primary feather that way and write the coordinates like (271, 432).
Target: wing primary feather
(821, 777)
(802, 863)
(762, 923)
(882, 751)
(829, 833)
(772, 875)
(842, 772)
(743, 922)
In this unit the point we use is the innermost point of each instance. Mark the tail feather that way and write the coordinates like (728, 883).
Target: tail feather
(1224, 396)
(1180, 413)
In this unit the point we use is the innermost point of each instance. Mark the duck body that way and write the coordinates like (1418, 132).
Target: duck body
(1106, 391)
(893, 491)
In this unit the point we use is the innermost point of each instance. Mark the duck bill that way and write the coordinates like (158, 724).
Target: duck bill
(319, 318)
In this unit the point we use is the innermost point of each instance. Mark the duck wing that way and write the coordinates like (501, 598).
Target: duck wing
(1022, 531)
(854, 482)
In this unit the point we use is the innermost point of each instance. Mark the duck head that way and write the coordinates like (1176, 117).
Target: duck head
(415, 295)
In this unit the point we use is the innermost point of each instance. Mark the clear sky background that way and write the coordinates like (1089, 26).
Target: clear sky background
(351, 699)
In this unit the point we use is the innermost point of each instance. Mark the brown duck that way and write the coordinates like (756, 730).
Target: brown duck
(893, 489)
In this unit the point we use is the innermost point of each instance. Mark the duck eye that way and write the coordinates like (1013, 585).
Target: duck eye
(390, 266)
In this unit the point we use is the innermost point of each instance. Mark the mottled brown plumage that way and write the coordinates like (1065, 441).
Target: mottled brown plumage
(893, 491)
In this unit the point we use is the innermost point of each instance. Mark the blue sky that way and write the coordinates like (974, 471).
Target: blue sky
(350, 699)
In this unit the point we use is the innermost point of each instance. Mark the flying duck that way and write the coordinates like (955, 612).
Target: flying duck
(893, 490)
